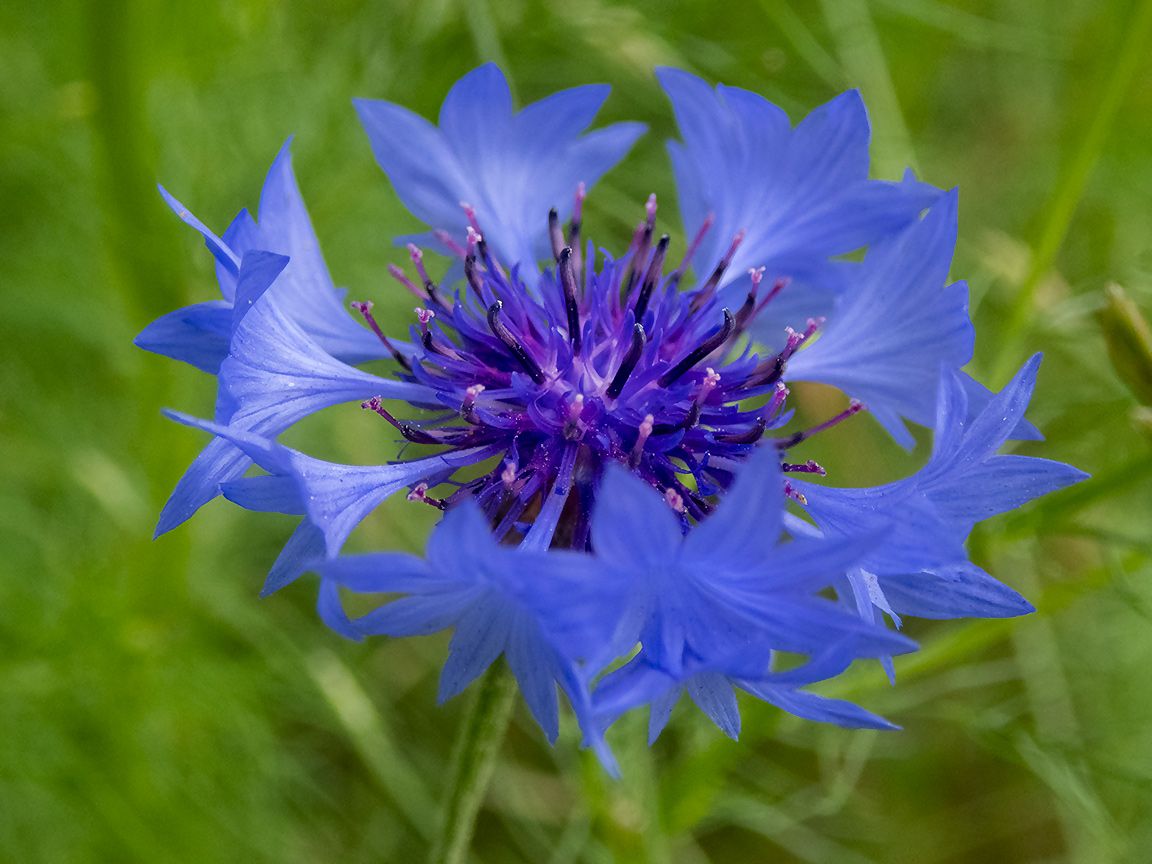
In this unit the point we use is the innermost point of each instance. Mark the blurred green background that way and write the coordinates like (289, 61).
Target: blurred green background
(153, 709)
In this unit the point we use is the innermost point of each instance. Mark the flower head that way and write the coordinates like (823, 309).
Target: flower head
(609, 454)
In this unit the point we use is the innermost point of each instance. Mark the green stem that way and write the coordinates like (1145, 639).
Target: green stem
(477, 747)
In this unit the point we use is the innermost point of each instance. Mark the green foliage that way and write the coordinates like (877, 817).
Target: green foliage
(152, 708)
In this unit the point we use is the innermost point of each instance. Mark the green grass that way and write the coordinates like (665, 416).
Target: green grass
(153, 709)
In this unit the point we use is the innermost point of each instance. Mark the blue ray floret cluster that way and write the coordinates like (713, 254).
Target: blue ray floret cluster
(622, 519)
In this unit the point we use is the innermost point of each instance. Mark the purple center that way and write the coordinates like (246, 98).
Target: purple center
(591, 367)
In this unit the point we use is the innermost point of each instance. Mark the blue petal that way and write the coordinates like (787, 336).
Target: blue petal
(240, 237)
(197, 335)
(303, 547)
(961, 592)
(267, 493)
(534, 664)
(745, 528)
(799, 195)
(224, 256)
(305, 291)
(276, 375)
(219, 462)
(510, 168)
(821, 709)
(480, 637)
(258, 270)
(713, 694)
(332, 612)
(887, 338)
(631, 525)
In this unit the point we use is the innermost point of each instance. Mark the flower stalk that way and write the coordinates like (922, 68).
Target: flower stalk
(477, 746)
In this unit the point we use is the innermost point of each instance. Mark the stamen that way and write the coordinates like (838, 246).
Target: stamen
(420, 493)
(508, 475)
(467, 409)
(711, 379)
(398, 274)
(475, 238)
(568, 283)
(410, 432)
(690, 420)
(574, 232)
(446, 238)
(780, 285)
(554, 234)
(417, 255)
(809, 467)
(505, 335)
(696, 241)
(473, 278)
(795, 494)
(674, 500)
(655, 270)
(795, 340)
(573, 428)
(745, 313)
(711, 344)
(854, 407)
(364, 307)
(629, 362)
(750, 437)
(642, 436)
(709, 288)
(470, 215)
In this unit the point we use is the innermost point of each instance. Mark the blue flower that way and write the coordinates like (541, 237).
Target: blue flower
(609, 448)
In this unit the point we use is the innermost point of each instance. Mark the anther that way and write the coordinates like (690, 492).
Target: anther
(641, 437)
(568, 283)
(446, 238)
(508, 475)
(555, 236)
(398, 274)
(410, 432)
(795, 340)
(505, 335)
(677, 274)
(674, 500)
(420, 493)
(467, 409)
(709, 287)
(655, 270)
(745, 312)
(710, 344)
(574, 231)
(365, 308)
(795, 494)
(573, 429)
(711, 379)
(470, 215)
(417, 255)
(630, 360)
(809, 467)
(854, 407)
(690, 420)
(475, 238)
(750, 437)
(472, 276)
